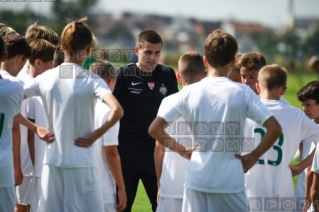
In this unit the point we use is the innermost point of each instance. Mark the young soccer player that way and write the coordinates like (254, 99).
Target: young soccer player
(11, 96)
(170, 167)
(309, 97)
(249, 65)
(235, 72)
(17, 50)
(271, 178)
(140, 89)
(215, 177)
(5, 30)
(107, 157)
(40, 60)
(33, 32)
(69, 177)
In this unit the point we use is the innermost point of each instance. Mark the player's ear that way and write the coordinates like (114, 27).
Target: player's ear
(205, 61)
(179, 77)
(136, 50)
(258, 87)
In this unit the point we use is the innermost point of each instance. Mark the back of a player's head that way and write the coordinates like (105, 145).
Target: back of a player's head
(16, 45)
(150, 36)
(5, 30)
(76, 36)
(236, 67)
(220, 48)
(252, 61)
(1, 49)
(104, 69)
(272, 77)
(58, 56)
(42, 50)
(309, 91)
(191, 67)
(35, 31)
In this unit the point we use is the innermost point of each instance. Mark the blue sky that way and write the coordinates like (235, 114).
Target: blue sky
(268, 12)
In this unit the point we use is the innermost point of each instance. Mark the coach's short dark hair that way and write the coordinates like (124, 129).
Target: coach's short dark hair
(104, 69)
(150, 36)
(309, 91)
(16, 45)
(220, 48)
(191, 66)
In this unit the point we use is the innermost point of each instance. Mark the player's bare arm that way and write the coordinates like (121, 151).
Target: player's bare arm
(43, 133)
(300, 167)
(157, 131)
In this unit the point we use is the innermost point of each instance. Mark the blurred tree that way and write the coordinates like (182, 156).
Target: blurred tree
(267, 44)
(15, 20)
(70, 9)
(311, 44)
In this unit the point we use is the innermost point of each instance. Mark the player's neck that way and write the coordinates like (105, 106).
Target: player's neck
(77, 59)
(7, 66)
(218, 72)
(32, 72)
(316, 120)
(270, 95)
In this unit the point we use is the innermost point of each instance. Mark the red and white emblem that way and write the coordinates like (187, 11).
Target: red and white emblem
(151, 85)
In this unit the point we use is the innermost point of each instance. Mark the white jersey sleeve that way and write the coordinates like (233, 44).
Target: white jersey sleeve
(31, 110)
(171, 107)
(256, 110)
(110, 138)
(99, 86)
(310, 130)
(31, 87)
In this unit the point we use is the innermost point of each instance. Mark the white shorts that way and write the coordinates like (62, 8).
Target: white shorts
(70, 189)
(109, 207)
(7, 198)
(36, 192)
(24, 191)
(169, 204)
(213, 202)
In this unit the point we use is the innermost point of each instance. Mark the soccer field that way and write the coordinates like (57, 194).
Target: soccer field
(295, 82)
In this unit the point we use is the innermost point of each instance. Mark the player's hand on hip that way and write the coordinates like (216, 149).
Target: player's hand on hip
(248, 161)
(87, 141)
(187, 152)
(45, 135)
(122, 200)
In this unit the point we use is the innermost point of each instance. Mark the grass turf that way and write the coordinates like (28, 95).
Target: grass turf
(295, 82)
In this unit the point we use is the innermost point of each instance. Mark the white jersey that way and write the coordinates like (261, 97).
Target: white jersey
(271, 176)
(24, 75)
(11, 96)
(36, 113)
(216, 109)
(174, 166)
(26, 163)
(110, 138)
(69, 94)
